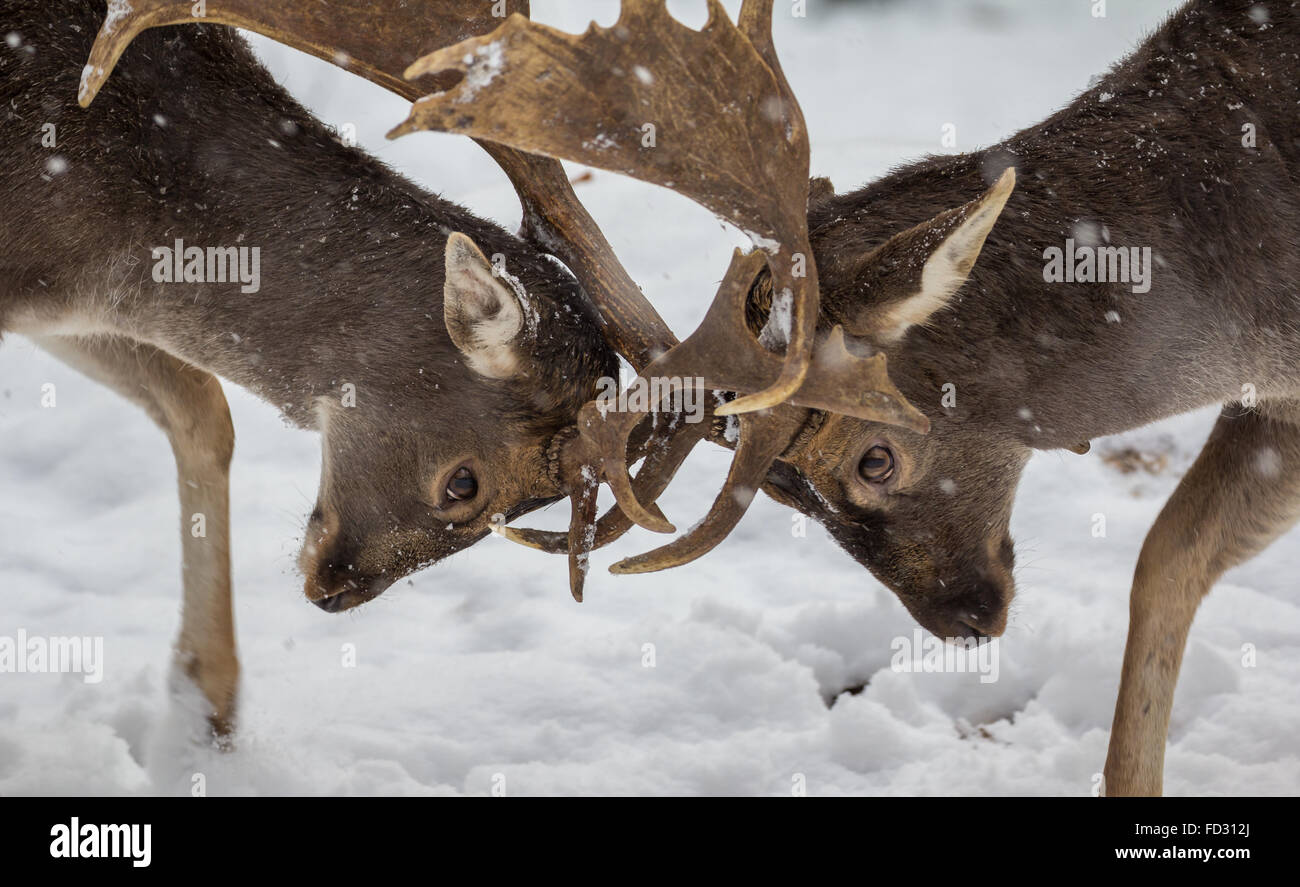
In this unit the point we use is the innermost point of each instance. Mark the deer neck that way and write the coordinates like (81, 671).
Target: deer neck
(342, 286)
(1053, 362)
(1049, 392)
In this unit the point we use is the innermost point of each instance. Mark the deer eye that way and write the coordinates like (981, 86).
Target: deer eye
(877, 465)
(462, 485)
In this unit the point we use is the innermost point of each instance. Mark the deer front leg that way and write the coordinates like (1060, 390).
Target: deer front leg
(188, 404)
(1242, 493)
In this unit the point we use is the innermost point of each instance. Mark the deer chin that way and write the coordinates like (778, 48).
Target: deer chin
(969, 609)
(346, 594)
(948, 628)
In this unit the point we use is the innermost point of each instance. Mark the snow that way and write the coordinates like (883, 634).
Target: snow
(89, 71)
(116, 12)
(482, 67)
(766, 244)
(712, 679)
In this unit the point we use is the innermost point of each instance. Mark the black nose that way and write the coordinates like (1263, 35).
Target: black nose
(352, 592)
(979, 609)
(338, 586)
(332, 603)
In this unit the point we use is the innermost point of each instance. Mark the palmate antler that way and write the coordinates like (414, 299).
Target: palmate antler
(725, 131)
(379, 39)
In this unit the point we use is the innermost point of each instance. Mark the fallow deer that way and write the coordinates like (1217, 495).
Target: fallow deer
(437, 378)
(1189, 149)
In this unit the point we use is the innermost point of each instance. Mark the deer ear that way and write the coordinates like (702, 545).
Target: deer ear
(483, 315)
(931, 276)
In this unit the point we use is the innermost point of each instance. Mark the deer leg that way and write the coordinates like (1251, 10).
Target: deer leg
(188, 404)
(1242, 493)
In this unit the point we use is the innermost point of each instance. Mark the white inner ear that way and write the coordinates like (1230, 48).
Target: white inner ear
(949, 265)
(482, 314)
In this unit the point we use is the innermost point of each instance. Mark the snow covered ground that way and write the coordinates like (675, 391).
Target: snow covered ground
(483, 669)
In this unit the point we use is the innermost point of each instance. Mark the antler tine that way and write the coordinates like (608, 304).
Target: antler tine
(557, 222)
(763, 437)
(661, 464)
(582, 534)
(755, 22)
(579, 471)
(378, 39)
(839, 381)
(375, 39)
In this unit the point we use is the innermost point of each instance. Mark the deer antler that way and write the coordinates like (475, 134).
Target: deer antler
(376, 40)
(590, 98)
(661, 463)
(709, 114)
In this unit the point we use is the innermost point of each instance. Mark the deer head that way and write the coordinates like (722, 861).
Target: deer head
(460, 441)
(928, 514)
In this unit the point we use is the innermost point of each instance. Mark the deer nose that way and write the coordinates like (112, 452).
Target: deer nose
(333, 584)
(978, 628)
(328, 587)
(335, 591)
(332, 603)
(329, 604)
(980, 609)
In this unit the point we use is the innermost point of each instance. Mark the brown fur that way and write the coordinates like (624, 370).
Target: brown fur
(1150, 156)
